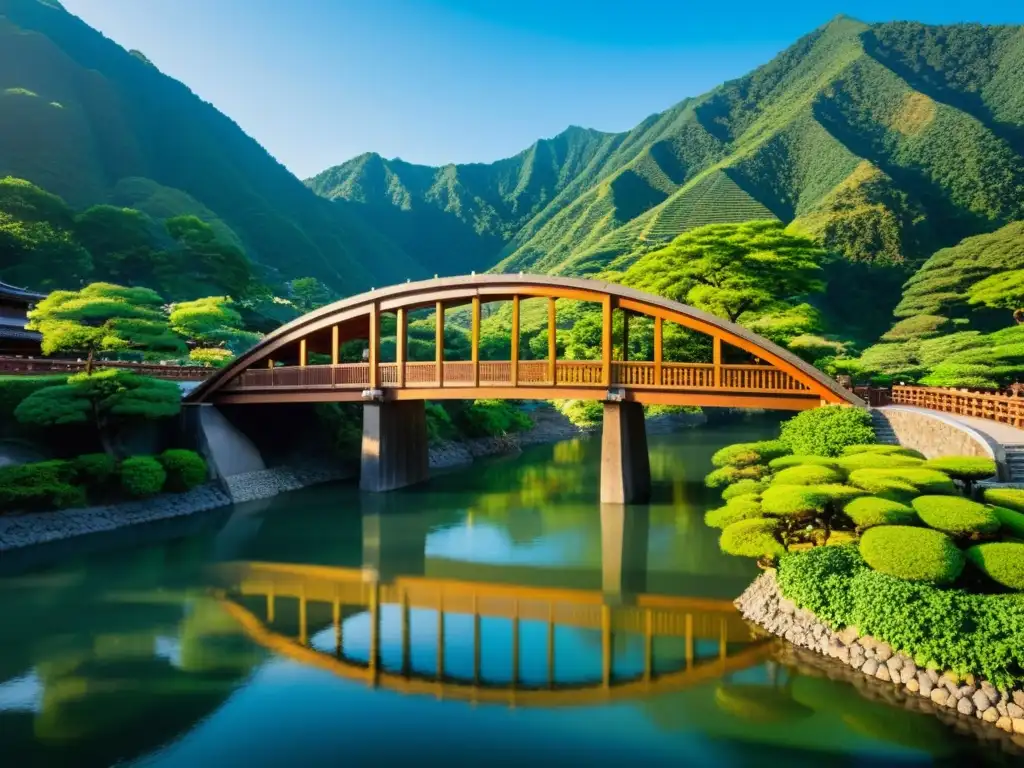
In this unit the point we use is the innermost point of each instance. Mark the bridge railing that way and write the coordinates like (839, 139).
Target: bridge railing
(495, 373)
(1002, 408)
(36, 366)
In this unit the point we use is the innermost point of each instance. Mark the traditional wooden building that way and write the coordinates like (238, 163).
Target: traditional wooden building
(14, 306)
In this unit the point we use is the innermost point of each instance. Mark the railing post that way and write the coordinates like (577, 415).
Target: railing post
(658, 330)
(475, 342)
(716, 358)
(552, 342)
(606, 340)
(625, 336)
(374, 346)
(302, 353)
(335, 350)
(514, 363)
(401, 330)
(439, 341)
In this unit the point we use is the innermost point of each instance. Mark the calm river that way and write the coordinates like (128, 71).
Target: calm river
(497, 615)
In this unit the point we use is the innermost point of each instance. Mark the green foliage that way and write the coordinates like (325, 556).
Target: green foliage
(956, 516)
(1004, 290)
(911, 479)
(801, 460)
(966, 469)
(185, 469)
(752, 538)
(214, 326)
(142, 476)
(872, 460)
(807, 475)
(14, 389)
(1003, 562)
(1011, 498)
(486, 418)
(724, 476)
(38, 486)
(744, 488)
(939, 628)
(745, 454)
(439, 423)
(826, 431)
(794, 501)
(308, 293)
(95, 471)
(879, 448)
(912, 554)
(582, 413)
(739, 508)
(1011, 522)
(869, 511)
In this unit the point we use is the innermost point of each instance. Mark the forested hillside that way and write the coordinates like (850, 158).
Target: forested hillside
(94, 124)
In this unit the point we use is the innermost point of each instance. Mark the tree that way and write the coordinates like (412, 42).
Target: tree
(103, 317)
(1001, 291)
(733, 270)
(107, 399)
(212, 327)
(122, 243)
(308, 293)
(208, 260)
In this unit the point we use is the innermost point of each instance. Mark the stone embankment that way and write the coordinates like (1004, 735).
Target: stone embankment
(970, 705)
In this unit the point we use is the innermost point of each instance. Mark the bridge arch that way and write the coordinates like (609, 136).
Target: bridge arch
(775, 378)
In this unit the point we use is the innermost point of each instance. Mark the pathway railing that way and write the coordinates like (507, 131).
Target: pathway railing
(36, 366)
(1003, 408)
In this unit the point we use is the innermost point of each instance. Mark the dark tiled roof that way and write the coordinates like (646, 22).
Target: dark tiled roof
(13, 292)
(19, 333)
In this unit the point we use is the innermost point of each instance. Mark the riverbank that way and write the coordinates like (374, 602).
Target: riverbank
(969, 705)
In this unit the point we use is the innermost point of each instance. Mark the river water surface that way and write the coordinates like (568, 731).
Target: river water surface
(497, 615)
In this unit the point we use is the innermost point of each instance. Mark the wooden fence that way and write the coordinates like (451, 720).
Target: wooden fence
(1008, 409)
(40, 366)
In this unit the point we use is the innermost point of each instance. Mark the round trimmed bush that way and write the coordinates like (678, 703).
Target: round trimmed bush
(1010, 498)
(752, 538)
(839, 495)
(95, 470)
(1012, 522)
(881, 448)
(1001, 561)
(869, 511)
(826, 431)
(741, 508)
(800, 460)
(916, 479)
(729, 475)
(912, 554)
(955, 515)
(876, 461)
(744, 488)
(807, 475)
(745, 454)
(967, 469)
(793, 501)
(142, 476)
(185, 469)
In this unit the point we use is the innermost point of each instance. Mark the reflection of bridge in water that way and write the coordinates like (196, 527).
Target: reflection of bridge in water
(274, 602)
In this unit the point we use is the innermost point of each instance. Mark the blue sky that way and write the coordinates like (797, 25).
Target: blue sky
(436, 81)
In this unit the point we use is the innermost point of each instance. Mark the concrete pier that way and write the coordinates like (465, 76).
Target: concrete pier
(625, 466)
(394, 452)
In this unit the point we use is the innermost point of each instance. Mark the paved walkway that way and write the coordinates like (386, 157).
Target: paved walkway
(1004, 434)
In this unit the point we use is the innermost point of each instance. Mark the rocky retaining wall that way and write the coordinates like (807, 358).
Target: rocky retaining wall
(265, 483)
(974, 702)
(935, 434)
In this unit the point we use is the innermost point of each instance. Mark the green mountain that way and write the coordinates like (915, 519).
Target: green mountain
(86, 120)
(886, 141)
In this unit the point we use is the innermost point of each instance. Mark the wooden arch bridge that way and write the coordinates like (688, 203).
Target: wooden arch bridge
(275, 604)
(746, 370)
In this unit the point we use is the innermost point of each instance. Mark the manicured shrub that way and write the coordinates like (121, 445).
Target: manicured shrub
(752, 538)
(185, 469)
(876, 461)
(800, 460)
(142, 476)
(807, 475)
(880, 448)
(740, 508)
(745, 454)
(839, 495)
(719, 478)
(39, 485)
(869, 511)
(938, 627)
(1001, 561)
(966, 469)
(956, 516)
(1010, 498)
(1011, 521)
(793, 501)
(37, 473)
(95, 470)
(912, 554)
(743, 488)
(826, 431)
(915, 479)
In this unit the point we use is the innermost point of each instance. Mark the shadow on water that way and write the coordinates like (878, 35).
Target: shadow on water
(496, 614)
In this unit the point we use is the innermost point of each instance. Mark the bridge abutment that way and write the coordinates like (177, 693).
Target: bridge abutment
(395, 451)
(625, 466)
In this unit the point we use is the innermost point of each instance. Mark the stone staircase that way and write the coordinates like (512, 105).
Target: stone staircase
(1015, 462)
(883, 430)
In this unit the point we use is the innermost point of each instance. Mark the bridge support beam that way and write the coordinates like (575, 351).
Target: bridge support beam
(625, 466)
(624, 537)
(394, 451)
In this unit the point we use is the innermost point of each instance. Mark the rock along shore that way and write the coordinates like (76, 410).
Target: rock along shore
(970, 705)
